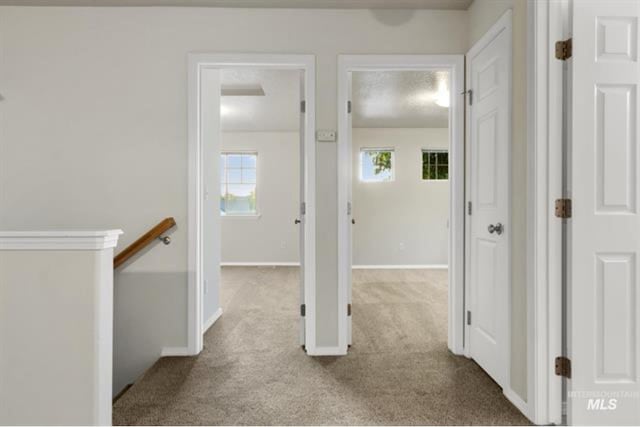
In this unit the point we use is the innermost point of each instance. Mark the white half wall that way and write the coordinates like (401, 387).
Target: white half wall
(405, 221)
(272, 236)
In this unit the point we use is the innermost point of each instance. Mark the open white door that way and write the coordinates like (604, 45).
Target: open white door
(301, 220)
(489, 80)
(210, 81)
(604, 230)
(350, 218)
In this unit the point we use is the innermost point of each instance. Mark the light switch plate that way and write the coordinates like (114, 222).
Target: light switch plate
(326, 136)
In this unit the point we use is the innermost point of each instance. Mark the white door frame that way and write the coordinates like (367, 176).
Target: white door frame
(546, 24)
(197, 62)
(454, 64)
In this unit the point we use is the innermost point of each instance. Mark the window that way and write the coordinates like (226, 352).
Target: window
(435, 164)
(238, 183)
(376, 165)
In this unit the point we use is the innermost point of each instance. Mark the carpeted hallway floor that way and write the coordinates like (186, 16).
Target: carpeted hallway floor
(253, 371)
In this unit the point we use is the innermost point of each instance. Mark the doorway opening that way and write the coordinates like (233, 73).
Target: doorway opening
(252, 192)
(364, 156)
(261, 194)
(400, 209)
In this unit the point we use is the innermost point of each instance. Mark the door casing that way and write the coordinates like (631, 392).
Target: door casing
(198, 63)
(455, 65)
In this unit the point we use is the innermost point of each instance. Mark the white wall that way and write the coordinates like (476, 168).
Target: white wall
(482, 15)
(93, 131)
(402, 222)
(272, 236)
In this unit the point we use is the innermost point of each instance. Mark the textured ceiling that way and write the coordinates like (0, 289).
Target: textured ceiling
(399, 99)
(277, 110)
(381, 99)
(309, 4)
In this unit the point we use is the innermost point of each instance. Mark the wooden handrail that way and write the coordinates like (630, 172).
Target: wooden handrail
(143, 241)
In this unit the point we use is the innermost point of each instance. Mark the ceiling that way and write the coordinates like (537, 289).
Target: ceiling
(308, 4)
(277, 110)
(399, 99)
(381, 99)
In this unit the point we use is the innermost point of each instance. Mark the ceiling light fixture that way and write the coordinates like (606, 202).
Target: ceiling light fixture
(224, 111)
(443, 98)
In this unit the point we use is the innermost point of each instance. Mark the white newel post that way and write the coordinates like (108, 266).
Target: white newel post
(56, 327)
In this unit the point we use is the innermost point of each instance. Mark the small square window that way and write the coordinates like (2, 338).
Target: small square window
(435, 165)
(376, 165)
(238, 173)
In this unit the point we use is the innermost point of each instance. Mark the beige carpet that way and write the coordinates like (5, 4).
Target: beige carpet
(252, 370)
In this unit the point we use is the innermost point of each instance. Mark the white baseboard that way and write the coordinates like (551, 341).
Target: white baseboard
(184, 351)
(212, 320)
(326, 351)
(260, 264)
(517, 402)
(174, 351)
(400, 267)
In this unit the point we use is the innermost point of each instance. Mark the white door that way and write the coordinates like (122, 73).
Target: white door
(350, 217)
(210, 205)
(489, 234)
(300, 220)
(604, 231)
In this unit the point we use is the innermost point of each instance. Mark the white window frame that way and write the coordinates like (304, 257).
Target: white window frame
(373, 149)
(434, 150)
(256, 212)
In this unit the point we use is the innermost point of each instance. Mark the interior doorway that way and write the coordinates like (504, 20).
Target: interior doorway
(447, 74)
(225, 171)
(261, 197)
(400, 209)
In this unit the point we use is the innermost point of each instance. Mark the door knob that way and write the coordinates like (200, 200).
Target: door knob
(498, 228)
(297, 221)
(353, 221)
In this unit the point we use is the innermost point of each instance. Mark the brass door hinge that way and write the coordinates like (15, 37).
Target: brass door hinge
(563, 367)
(349, 107)
(348, 309)
(303, 106)
(563, 208)
(303, 309)
(564, 49)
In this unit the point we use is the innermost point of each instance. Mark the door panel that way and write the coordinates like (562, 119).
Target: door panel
(210, 208)
(302, 224)
(604, 231)
(489, 118)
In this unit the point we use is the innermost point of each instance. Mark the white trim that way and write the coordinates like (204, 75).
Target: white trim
(260, 264)
(212, 319)
(455, 64)
(517, 401)
(401, 267)
(503, 24)
(196, 62)
(174, 351)
(326, 351)
(59, 240)
(544, 239)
